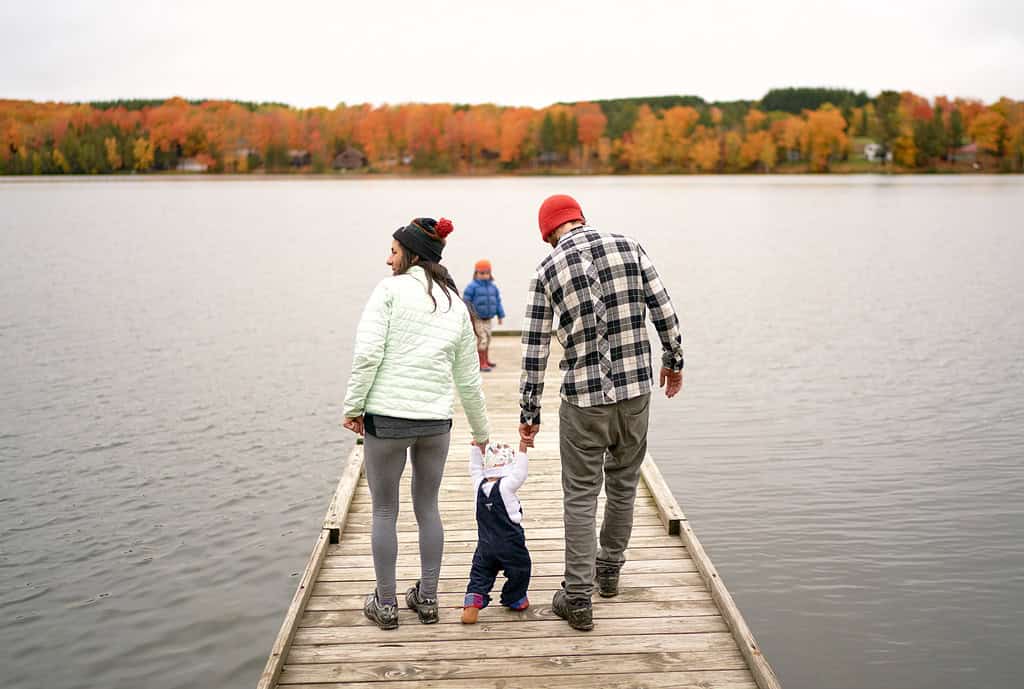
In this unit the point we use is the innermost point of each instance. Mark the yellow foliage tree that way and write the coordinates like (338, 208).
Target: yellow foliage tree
(754, 120)
(604, 150)
(824, 138)
(789, 133)
(1015, 146)
(142, 152)
(113, 154)
(60, 161)
(679, 123)
(769, 154)
(707, 151)
(988, 130)
(755, 149)
(733, 143)
(648, 140)
(904, 152)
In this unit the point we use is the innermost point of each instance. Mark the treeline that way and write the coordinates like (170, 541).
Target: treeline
(788, 130)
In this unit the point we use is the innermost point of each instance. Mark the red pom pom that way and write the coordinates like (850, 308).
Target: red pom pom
(444, 227)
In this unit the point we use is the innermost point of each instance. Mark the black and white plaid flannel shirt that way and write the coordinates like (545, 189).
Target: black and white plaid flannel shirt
(595, 290)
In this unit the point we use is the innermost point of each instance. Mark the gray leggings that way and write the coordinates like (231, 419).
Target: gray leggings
(385, 462)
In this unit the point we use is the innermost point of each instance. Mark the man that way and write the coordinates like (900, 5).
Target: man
(596, 290)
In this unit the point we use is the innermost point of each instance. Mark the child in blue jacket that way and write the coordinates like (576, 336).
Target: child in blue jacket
(484, 301)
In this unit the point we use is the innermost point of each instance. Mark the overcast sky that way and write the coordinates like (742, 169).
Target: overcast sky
(525, 52)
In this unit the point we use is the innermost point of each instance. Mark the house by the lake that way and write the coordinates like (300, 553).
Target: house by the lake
(349, 159)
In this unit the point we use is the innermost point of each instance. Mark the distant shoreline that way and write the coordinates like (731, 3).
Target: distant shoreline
(369, 176)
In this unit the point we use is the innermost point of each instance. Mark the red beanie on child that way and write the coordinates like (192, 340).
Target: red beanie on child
(556, 211)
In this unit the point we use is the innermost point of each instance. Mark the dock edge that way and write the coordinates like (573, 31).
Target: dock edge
(673, 517)
(334, 522)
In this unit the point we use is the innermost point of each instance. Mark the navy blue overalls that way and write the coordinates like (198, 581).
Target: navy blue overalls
(501, 545)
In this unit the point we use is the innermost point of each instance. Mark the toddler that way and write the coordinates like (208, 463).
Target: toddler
(484, 301)
(497, 474)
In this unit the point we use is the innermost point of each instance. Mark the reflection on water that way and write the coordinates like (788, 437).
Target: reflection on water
(847, 444)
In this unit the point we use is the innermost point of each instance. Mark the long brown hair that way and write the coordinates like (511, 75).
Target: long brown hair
(435, 272)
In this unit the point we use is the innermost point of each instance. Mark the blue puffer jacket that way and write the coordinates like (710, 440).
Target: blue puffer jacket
(484, 297)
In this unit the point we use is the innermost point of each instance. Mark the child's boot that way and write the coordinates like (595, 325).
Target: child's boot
(471, 611)
(484, 366)
(487, 358)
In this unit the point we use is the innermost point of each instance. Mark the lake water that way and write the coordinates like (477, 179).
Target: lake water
(848, 445)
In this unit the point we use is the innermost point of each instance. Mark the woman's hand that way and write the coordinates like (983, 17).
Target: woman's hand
(354, 424)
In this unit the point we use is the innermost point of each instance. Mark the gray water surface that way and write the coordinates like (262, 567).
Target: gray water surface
(848, 444)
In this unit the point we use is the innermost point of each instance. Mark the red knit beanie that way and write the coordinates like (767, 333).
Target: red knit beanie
(555, 211)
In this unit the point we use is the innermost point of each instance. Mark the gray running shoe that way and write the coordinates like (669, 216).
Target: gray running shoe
(426, 608)
(384, 616)
(576, 611)
(608, 579)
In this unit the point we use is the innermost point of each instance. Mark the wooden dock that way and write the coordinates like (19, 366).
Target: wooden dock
(673, 624)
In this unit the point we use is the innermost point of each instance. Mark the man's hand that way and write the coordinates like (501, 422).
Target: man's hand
(501, 321)
(482, 445)
(672, 381)
(354, 424)
(527, 433)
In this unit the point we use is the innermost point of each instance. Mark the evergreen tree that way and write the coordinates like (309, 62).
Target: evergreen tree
(547, 134)
(956, 129)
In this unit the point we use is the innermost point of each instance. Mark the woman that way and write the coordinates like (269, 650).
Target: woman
(414, 345)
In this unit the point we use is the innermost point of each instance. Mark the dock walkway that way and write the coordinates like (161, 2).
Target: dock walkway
(673, 624)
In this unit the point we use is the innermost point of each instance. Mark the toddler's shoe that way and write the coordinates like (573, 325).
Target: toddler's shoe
(471, 608)
(520, 605)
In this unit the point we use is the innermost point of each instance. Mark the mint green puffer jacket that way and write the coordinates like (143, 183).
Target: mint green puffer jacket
(410, 358)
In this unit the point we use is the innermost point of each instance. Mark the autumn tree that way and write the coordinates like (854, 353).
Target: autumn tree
(648, 138)
(679, 122)
(113, 154)
(824, 138)
(707, 150)
(733, 143)
(989, 131)
(515, 127)
(758, 147)
(590, 124)
(142, 152)
(754, 120)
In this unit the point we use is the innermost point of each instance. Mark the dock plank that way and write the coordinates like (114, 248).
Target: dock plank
(714, 679)
(478, 649)
(528, 666)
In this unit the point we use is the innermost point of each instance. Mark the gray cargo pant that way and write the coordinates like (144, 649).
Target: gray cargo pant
(608, 443)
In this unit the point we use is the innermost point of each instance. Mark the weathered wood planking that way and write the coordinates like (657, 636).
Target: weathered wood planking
(673, 624)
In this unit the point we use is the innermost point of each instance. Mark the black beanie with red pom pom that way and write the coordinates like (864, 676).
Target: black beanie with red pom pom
(425, 237)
